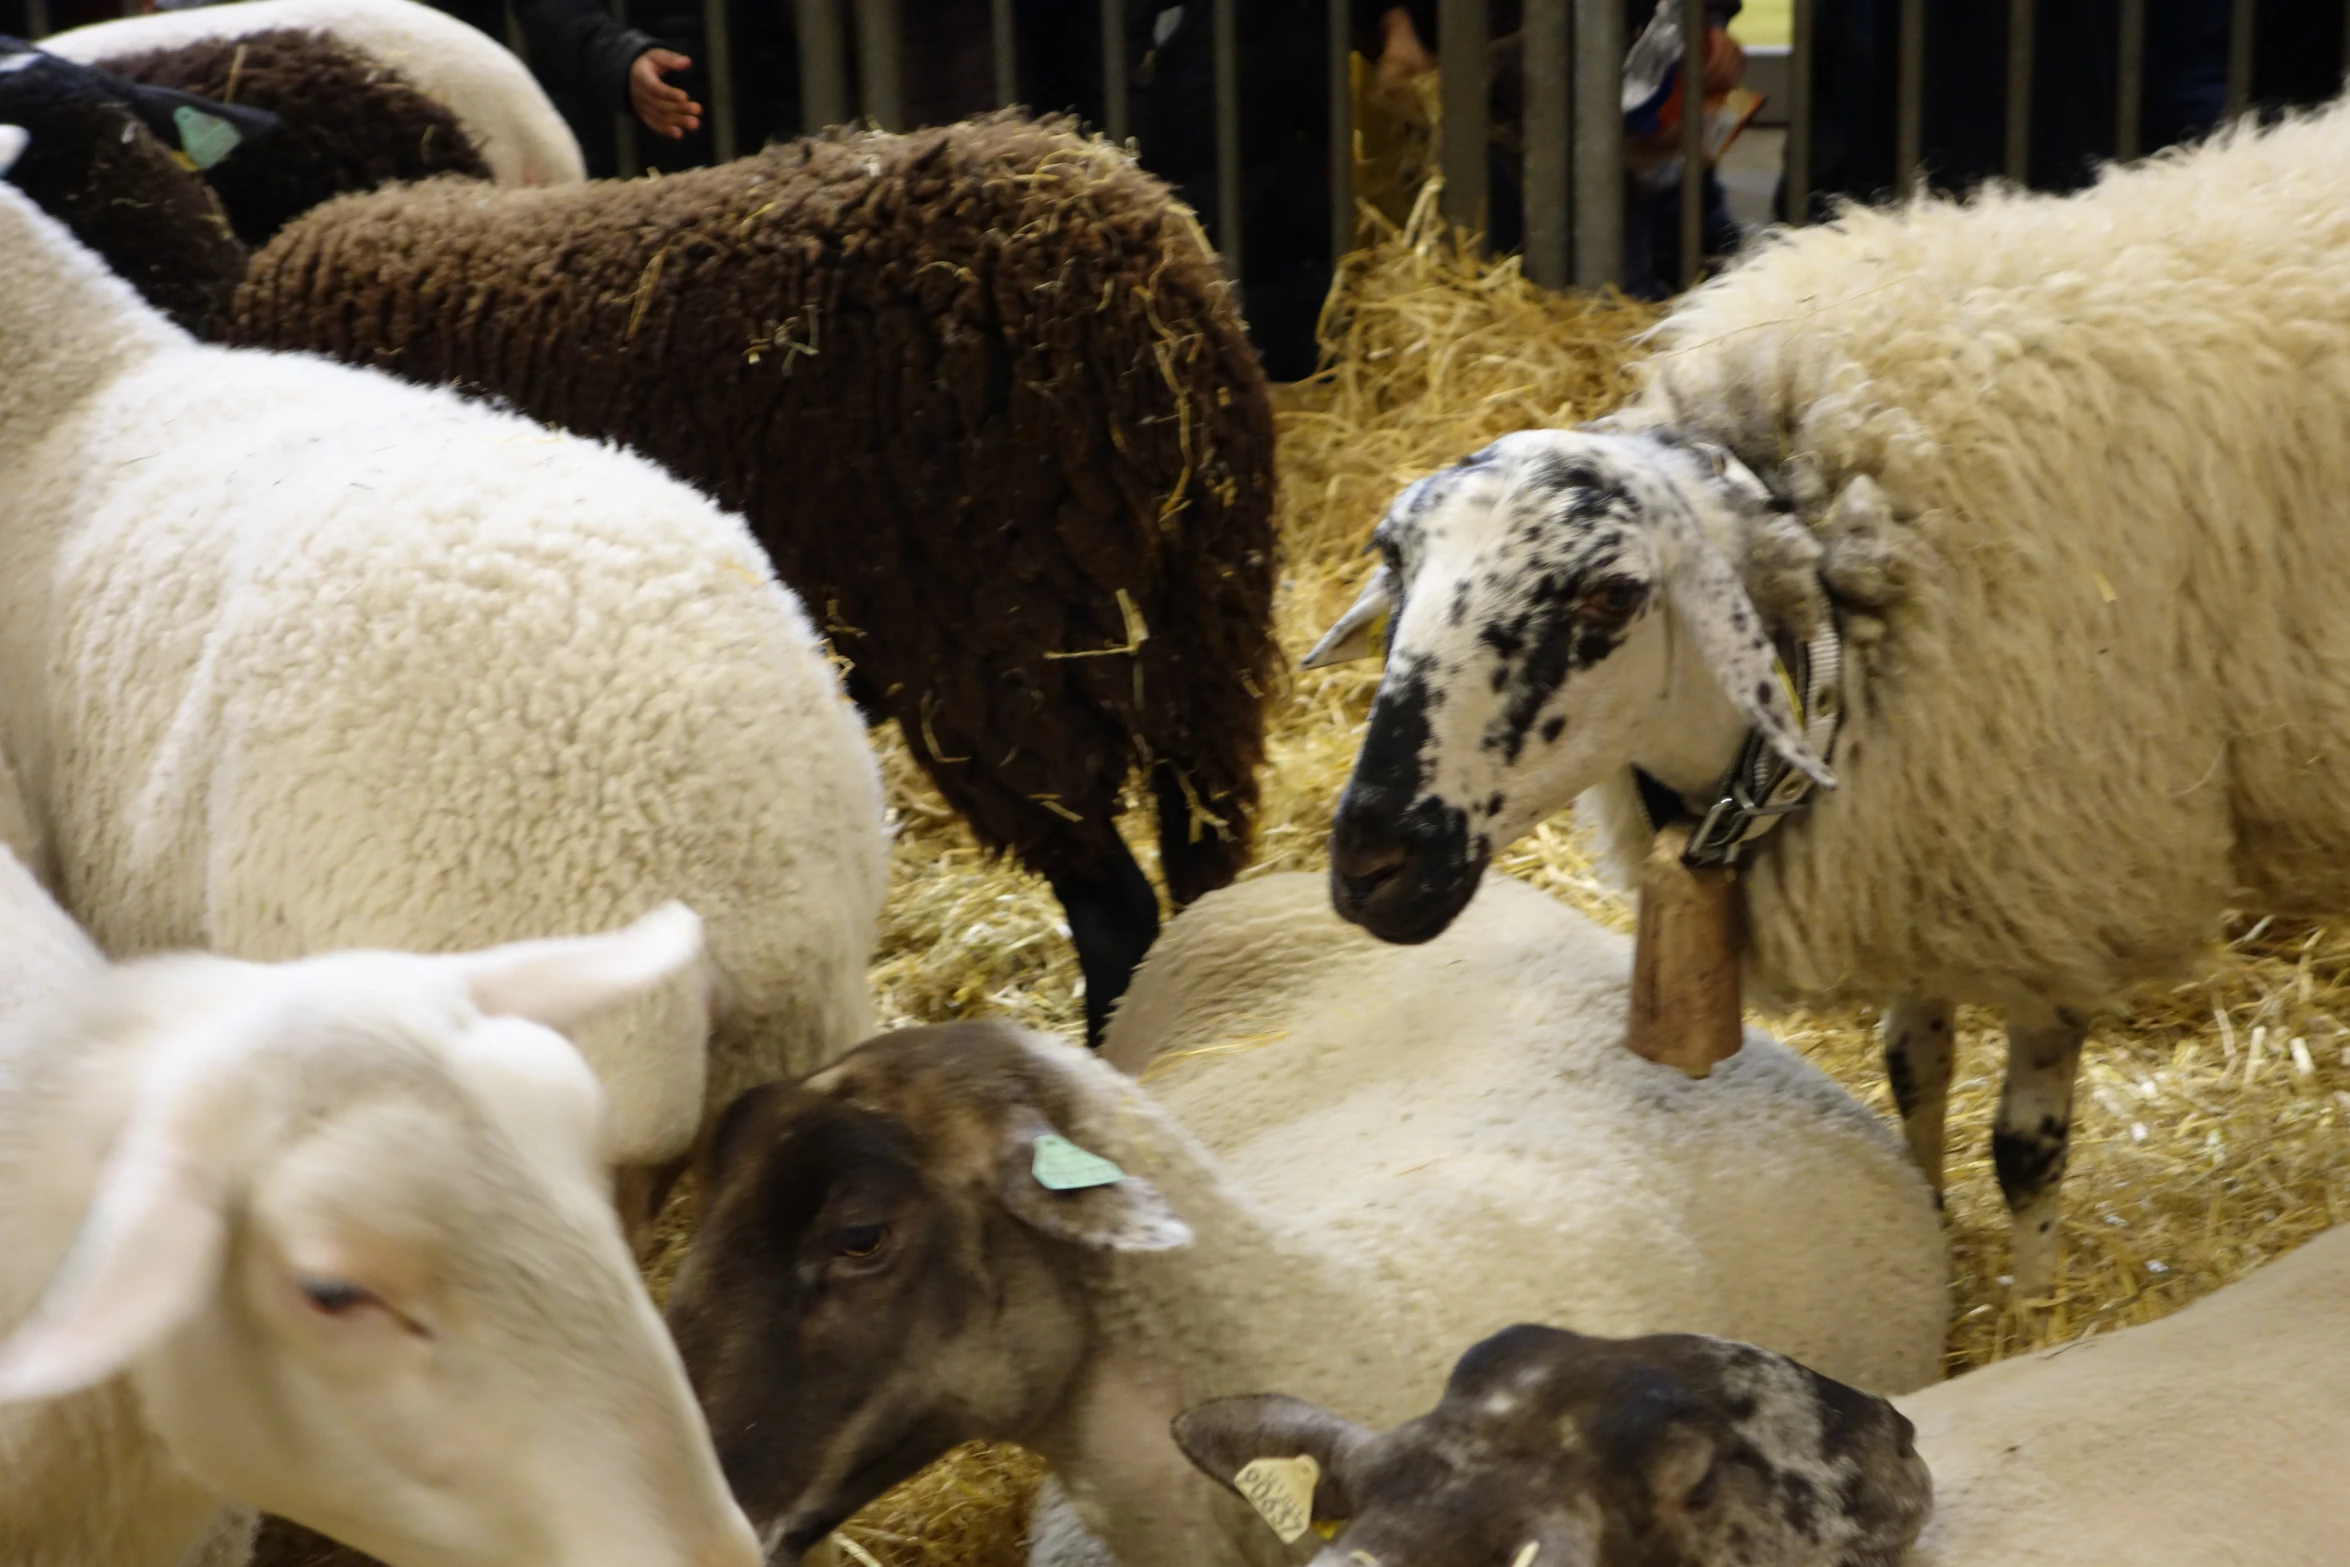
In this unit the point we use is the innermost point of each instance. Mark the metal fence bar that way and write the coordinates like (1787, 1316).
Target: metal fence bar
(1547, 112)
(1909, 98)
(718, 66)
(1227, 42)
(36, 18)
(2130, 81)
(1800, 43)
(1461, 42)
(881, 78)
(2239, 56)
(2345, 39)
(1117, 112)
(1693, 22)
(2020, 16)
(1340, 50)
(1001, 34)
(627, 154)
(824, 64)
(1599, 142)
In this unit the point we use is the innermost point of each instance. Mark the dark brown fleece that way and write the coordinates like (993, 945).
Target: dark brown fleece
(351, 122)
(92, 166)
(968, 385)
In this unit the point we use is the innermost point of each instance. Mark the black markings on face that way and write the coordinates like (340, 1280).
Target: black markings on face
(1553, 727)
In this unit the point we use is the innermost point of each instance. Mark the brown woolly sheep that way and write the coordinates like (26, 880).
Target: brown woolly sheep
(95, 162)
(351, 122)
(983, 395)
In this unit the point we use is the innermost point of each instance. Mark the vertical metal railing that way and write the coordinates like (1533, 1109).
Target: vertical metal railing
(1547, 46)
(1004, 46)
(1117, 118)
(1338, 56)
(1598, 107)
(36, 18)
(627, 159)
(2239, 56)
(1227, 110)
(880, 76)
(2019, 90)
(718, 68)
(1909, 94)
(824, 64)
(1693, 29)
(1799, 99)
(1461, 39)
(2129, 96)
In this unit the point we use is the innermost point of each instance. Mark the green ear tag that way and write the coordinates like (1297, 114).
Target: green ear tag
(205, 138)
(1062, 1166)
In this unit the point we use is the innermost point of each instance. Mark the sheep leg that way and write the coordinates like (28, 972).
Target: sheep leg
(2028, 1145)
(1113, 919)
(1920, 1049)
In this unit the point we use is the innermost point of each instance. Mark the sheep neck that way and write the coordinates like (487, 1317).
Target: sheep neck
(1252, 1305)
(68, 327)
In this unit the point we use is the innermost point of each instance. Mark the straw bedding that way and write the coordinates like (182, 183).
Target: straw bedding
(2213, 1129)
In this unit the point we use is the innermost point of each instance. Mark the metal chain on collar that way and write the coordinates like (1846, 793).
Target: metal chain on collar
(1761, 786)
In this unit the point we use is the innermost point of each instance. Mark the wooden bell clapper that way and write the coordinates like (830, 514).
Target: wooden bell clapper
(1685, 983)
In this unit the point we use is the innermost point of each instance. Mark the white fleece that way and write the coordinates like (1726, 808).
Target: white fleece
(514, 126)
(1408, 1148)
(2216, 1437)
(294, 657)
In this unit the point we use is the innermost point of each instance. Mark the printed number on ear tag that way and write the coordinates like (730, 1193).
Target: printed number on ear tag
(1061, 1166)
(205, 138)
(1282, 1492)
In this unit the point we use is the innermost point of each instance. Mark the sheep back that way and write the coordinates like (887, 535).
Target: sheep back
(351, 122)
(2097, 583)
(1465, 1113)
(981, 391)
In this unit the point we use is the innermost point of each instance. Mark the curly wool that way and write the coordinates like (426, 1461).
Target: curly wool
(981, 392)
(351, 122)
(2076, 469)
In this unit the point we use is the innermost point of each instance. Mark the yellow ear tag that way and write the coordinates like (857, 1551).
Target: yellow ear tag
(1375, 635)
(1328, 1528)
(1282, 1492)
(1787, 684)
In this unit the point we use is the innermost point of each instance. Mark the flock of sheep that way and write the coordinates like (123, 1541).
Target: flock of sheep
(431, 824)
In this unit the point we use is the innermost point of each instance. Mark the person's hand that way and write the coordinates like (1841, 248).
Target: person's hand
(1401, 54)
(666, 110)
(1725, 62)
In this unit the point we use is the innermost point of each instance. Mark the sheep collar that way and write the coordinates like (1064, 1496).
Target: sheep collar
(1761, 788)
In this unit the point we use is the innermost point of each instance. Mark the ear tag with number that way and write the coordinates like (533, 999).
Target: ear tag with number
(1282, 1492)
(1061, 1166)
(205, 138)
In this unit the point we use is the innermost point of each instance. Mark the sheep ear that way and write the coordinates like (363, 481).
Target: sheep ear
(1362, 631)
(147, 1257)
(1705, 593)
(13, 141)
(1059, 1189)
(566, 980)
(1224, 1436)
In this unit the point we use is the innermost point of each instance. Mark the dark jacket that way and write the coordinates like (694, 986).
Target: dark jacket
(577, 48)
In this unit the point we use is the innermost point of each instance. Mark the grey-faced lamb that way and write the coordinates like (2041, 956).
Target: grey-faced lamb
(986, 400)
(2063, 476)
(499, 105)
(2210, 1438)
(1555, 1449)
(1346, 1167)
(295, 657)
(332, 1238)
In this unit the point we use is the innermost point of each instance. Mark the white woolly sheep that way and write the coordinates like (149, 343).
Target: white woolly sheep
(517, 130)
(2067, 473)
(1556, 1448)
(331, 1238)
(295, 657)
(1400, 1156)
(2211, 1438)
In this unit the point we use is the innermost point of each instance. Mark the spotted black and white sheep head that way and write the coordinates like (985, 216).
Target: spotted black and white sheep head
(1551, 1449)
(1553, 608)
(883, 1270)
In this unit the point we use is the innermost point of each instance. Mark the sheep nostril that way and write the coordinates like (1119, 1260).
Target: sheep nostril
(1364, 869)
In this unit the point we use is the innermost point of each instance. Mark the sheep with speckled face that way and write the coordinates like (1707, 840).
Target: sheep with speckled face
(1554, 1449)
(2064, 473)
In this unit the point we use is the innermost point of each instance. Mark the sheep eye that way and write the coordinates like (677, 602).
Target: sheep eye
(335, 1297)
(860, 1242)
(1613, 599)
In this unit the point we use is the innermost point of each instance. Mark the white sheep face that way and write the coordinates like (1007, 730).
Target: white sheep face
(356, 1251)
(1556, 609)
